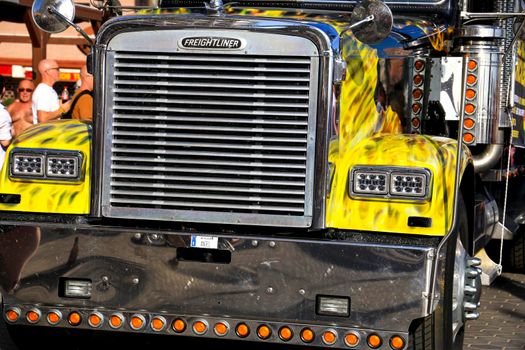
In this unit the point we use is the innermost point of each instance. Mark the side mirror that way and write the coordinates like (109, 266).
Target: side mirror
(371, 21)
(54, 16)
(50, 15)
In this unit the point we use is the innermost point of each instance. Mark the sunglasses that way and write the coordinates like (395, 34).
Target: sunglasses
(26, 90)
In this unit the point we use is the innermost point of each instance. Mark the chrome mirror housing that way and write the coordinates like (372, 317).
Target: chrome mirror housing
(51, 15)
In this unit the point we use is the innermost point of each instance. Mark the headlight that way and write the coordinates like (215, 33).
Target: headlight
(390, 182)
(45, 164)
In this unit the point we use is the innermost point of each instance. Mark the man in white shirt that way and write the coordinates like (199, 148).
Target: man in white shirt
(5, 125)
(45, 105)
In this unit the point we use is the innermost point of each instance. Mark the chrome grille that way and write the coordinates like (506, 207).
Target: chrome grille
(211, 137)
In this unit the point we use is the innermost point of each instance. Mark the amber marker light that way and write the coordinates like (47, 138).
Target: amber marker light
(95, 319)
(158, 323)
(33, 316)
(471, 79)
(397, 343)
(468, 137)
(351, 339)
(200, 327)
(416, 108)
(374, 341)
(419, 65)
(137, 322)
(472, 65)
(329, 337)
(116, 321)
(178, 325)
(417, 94)
(418, 79)
(469, 123)
(53, 317)
(264, 332)
(12, 314)
(221, 329)
(307, 335)
(470, 94)
(470, 108)
(285, 333)
(242, 330)
(74, 318)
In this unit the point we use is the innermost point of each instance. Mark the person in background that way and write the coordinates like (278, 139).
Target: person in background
(82, 101)
(20, 110)
(5, 125)
(46, 105)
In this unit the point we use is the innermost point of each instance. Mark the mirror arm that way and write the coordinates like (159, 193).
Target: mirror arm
(52, 10)
(361, 22)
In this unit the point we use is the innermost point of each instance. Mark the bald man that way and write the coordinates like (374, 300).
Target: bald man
(20, 110)
(46, 105)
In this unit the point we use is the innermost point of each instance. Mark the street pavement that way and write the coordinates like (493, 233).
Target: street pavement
(501, 326)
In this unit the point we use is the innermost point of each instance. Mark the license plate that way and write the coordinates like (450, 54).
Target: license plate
(209, 242)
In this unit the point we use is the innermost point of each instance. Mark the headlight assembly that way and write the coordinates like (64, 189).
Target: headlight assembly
(45, 164)
(390, 182)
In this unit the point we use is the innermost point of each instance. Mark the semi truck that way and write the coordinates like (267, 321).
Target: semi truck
(321, 173)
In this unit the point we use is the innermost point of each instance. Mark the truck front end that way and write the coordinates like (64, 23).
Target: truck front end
(255, 174)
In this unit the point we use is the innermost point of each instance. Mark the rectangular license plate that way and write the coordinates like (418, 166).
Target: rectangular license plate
(208, 242)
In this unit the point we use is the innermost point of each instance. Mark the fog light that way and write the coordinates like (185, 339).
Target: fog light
(27, 165)
(333, 306)
(77, 289)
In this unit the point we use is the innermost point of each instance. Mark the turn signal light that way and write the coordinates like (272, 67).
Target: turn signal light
(74, 318)
(95, 319)
(329, 337)
(137, 322)
(33, 316)
(374, 341)
(264, 332)
(53, 317)
(307, 335)
(242, 330)
(397, 343)
(158, 323)
(179, 325)
(221, 329)
(12, 314)
(351, 339)
(116, 321)
(200, 327)
(285, 333)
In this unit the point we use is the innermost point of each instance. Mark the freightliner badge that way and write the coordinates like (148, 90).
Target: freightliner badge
(212, 42)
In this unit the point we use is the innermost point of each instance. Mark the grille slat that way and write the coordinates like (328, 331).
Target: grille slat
(217, 179)
(165, 118)
(230, 68)
(215, 85)
(205, 145)
(198, 101)
(165, 203)
(217, 133)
